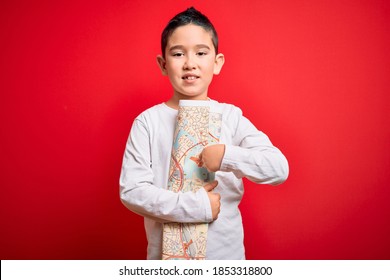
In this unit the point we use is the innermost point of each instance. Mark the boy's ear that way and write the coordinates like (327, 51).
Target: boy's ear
(219, 61)
(161, 63)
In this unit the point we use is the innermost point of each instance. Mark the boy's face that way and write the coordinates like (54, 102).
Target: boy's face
(190, 62)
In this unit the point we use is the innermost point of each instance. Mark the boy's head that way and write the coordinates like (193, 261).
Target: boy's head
(189, 55)
(189, 16)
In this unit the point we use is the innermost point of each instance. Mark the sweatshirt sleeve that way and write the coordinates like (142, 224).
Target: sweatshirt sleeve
(140, 195)
(254, 157)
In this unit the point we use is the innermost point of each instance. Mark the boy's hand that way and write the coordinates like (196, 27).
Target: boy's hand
(215, 199)
(211, 157)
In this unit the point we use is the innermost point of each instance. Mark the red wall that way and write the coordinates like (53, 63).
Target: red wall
(313, 75)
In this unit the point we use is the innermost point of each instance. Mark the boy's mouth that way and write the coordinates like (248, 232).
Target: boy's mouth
(190, 77)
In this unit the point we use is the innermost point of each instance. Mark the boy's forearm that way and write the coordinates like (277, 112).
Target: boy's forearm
(166, 206)
(262, 165)
(251, 154)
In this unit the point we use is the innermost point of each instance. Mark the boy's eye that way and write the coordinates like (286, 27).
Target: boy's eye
(178, 54)
(202, 53)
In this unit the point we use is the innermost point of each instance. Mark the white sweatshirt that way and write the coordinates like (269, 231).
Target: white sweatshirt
(144, 177)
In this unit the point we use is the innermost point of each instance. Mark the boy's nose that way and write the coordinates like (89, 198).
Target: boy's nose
(189, 62)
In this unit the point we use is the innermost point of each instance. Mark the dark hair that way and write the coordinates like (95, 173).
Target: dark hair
(189, 16)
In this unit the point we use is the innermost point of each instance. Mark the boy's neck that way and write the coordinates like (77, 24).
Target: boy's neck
(174, 101)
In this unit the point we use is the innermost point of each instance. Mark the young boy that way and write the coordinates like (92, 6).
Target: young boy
(190, 58)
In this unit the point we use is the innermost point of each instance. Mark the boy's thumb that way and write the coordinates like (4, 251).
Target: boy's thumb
(210, 186)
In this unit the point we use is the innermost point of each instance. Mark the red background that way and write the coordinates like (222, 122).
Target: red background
(313, 75)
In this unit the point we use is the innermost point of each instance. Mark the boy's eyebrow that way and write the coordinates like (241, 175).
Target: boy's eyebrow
(180, 47)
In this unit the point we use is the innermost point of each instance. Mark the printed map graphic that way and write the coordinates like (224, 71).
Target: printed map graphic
(196, 128)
